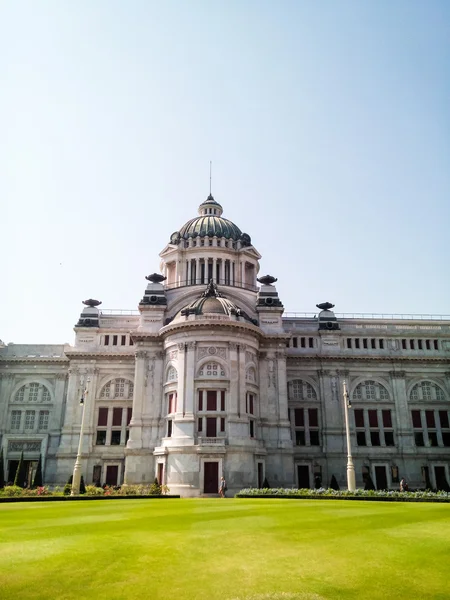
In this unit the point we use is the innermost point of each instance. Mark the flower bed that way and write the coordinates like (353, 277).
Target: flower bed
(13, 493)
(330, 494)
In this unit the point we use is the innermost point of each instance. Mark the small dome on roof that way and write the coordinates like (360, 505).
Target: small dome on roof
(213, 302)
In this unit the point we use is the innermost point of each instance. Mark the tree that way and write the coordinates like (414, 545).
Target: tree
(2, 472)
(82, 486)
(21, 474)
(38, 480)
(334, 484)
(265, 485)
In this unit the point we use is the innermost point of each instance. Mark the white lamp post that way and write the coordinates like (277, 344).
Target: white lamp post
(76, 478)
(351, 484)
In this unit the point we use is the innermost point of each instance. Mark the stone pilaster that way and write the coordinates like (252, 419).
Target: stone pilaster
(140, 383)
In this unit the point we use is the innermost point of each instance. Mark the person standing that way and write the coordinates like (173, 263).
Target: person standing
(222, 487)
(403, 485)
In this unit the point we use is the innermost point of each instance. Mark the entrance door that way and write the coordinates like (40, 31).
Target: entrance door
(381, 478)
(260, 475)
(441, 479)
(211, 427)
(112, 472)
(211, 472)
(303, 476)
(29, 470)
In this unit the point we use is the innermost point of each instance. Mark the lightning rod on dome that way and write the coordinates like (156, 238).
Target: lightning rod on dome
(210, 166)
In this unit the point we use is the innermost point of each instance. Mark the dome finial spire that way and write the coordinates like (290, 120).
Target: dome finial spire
(210, 168)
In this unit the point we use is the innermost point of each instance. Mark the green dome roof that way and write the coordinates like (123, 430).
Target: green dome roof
(210, 223)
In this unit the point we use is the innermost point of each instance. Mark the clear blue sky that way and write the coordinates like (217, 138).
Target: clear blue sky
(328, 125)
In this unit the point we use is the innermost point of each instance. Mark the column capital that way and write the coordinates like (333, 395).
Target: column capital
(397, 374)
(182, 347)
(191, 345)
(141, 354)
(342, 372)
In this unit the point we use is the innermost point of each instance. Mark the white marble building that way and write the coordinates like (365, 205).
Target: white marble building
(209, 378)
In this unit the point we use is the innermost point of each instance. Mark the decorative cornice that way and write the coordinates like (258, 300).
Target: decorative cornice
(101, 355)
(36, 359)
(210, 324)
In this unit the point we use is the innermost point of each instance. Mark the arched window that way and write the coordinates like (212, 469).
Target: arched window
(33, 392)
(302, 390)
(172, 374)
(118, 388)
(370, 390)
(211, 369)
(251, 375)
(428, 391)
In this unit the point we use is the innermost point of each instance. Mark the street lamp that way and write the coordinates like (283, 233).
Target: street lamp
(351, 484)
(76, 478)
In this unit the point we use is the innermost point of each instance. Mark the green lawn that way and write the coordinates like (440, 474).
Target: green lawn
(207, 549)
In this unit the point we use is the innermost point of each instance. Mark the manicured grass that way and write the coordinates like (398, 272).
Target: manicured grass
(208, 549)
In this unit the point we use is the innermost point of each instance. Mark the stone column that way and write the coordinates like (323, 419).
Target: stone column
(282, 389)
(401, 410)
(181, 408)
(214, 273)
(189, 272)
(6, 386)
(234, 381)
(241, 395)
(140, 375)
(222, 271)
(189, 381)
(197, 271)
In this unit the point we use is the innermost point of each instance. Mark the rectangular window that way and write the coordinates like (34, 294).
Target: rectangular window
(418, 437)
(123, 340)
(420, 344)
(359, 417)
(375, 438)
(250, 406)
(311, 342)
(403, 344)
(252, 428)
(299, 418)
(129, 415)
(428, 344)
(169, 428)
(361, 438)
(417, 422)
(446, 438)
(349, 342)
(200, 400)
(102, 417)
(211, 400)
(432, 438)
(222, 400)
(295, 342)
(372, 343)
(357, 343)
(365, 343)
(373, 418)
(429, 415)
(114, 340)
(43, 419)
(222, 424)
(200, 425)
(435, 343)
(381, 344)
(387, 419)
(16, 416)
(131, 342)
(29, 419)
(443, 418)
(300, 438)
(303, 342)
(411, 344)
(127, 436)
(389, 438)
(106, 340)
(313, 417)
(314, 437)
(101, 437)
(115, 438)
(117, 417)
(172, 403)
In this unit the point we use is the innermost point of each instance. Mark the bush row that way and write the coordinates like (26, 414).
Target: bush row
(154, 489)
(421, 495)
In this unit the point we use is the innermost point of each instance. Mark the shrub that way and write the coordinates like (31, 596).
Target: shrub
(93, 490)
(265, 485)
(12, 490)
(334, 484)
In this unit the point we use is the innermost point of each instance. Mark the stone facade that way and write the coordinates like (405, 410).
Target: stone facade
(209, 378)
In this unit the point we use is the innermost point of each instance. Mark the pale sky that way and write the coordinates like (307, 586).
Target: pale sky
(328, 125)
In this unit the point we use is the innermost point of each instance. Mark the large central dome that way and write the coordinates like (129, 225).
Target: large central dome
(210, 223)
